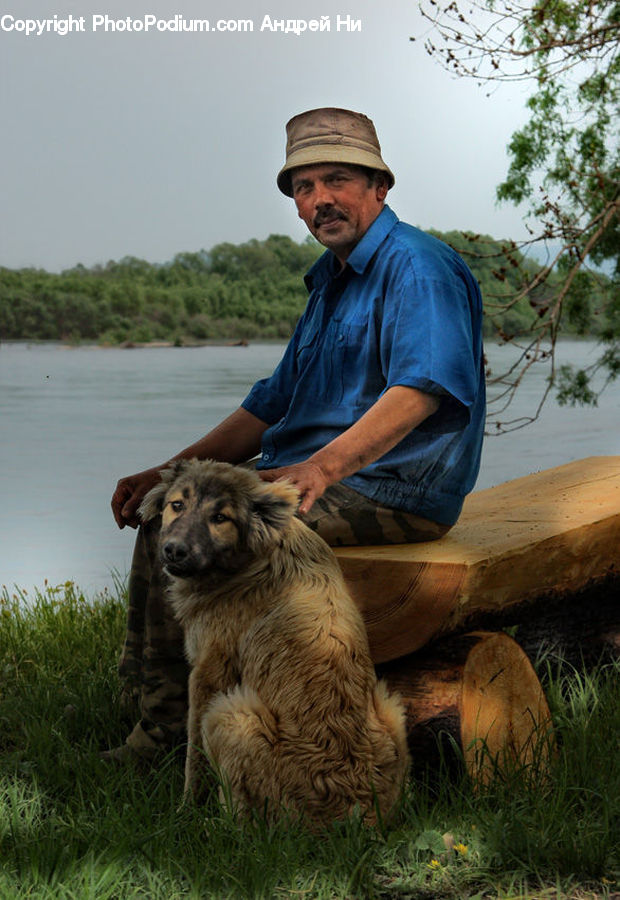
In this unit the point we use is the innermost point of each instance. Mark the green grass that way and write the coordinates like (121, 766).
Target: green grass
(73, 827)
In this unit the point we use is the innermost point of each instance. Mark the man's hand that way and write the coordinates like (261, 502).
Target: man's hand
(234, 440)
(128, 496)
(307, 477)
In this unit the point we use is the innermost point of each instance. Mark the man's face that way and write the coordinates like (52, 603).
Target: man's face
(337, 203)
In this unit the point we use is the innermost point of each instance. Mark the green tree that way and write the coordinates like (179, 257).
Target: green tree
(564, 162)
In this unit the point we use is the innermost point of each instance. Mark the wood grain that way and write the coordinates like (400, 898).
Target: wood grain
(555, 531)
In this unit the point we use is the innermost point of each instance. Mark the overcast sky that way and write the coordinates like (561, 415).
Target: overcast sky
(148, 144)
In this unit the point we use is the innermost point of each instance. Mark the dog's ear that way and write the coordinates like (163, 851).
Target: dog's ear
(273, 506)
(153, 502)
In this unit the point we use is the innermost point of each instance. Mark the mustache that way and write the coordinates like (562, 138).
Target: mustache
(328, 215)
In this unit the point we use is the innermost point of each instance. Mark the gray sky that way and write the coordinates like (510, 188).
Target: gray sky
(148, 144)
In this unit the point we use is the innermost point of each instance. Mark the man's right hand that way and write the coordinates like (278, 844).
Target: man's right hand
(128, 496)
(234, 440)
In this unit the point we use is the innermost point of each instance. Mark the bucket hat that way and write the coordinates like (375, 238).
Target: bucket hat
(330, 135)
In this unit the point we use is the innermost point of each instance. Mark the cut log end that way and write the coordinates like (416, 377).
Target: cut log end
(481, 691)
(505, 720)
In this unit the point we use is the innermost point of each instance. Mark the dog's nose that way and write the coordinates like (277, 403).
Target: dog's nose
(175, 551)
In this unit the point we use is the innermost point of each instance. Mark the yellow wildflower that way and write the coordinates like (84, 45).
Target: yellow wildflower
(461, 848)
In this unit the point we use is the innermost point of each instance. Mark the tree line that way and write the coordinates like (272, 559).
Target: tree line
(249, 291)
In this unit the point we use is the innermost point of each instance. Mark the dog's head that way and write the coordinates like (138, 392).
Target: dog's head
(216, 518)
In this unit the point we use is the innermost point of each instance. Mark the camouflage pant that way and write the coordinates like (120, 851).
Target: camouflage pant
(153, 664)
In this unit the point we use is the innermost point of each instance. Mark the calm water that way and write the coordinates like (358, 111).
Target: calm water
(75, 420)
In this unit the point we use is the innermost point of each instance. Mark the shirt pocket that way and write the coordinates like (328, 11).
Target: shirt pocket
(352, 369)
(307, 344)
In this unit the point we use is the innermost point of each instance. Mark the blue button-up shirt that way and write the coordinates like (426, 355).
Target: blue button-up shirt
(405, 310)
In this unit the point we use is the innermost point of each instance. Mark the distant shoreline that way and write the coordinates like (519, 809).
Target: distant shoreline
(148, 345)
(215, 342)
(142, 345)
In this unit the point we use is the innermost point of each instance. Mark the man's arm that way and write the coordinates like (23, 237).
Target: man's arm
(388, 421)
(235, 440)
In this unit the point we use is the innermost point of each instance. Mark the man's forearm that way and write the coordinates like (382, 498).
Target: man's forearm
(235, 440)
(388, 421)
(394, 415)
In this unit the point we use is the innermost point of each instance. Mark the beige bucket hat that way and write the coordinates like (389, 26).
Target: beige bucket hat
(330, 135)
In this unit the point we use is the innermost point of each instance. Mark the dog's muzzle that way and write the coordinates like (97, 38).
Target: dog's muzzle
(176, 556)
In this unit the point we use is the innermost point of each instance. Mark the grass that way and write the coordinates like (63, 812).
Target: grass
(73, 827)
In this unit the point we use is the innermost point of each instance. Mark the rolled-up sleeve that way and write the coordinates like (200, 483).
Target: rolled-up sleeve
(428, 343)
(270, 398)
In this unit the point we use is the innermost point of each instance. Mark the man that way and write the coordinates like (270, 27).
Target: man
(375, 412)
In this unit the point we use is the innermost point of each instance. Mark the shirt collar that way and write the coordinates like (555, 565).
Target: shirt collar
(324, 268)
(363, 252)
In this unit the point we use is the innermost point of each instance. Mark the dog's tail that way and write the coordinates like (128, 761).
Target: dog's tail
(388, 736)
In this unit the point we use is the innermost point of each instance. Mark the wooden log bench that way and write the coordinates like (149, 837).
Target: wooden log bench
(551, 533)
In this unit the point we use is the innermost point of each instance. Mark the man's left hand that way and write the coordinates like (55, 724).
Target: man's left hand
(397, 412)
(307, 477)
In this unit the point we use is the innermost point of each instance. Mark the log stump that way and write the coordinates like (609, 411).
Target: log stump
(480, 693)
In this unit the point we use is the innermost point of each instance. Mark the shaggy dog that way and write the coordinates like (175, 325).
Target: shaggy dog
(283, 698)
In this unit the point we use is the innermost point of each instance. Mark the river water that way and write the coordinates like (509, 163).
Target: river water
(74, 420)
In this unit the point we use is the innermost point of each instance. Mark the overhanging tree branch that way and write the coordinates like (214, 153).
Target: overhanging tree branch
(565, 164)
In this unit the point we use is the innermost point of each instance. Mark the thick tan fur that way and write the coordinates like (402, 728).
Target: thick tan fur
(283, 698)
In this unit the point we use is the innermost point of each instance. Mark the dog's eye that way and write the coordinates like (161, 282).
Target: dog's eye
(219, 518)
(177, 505)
